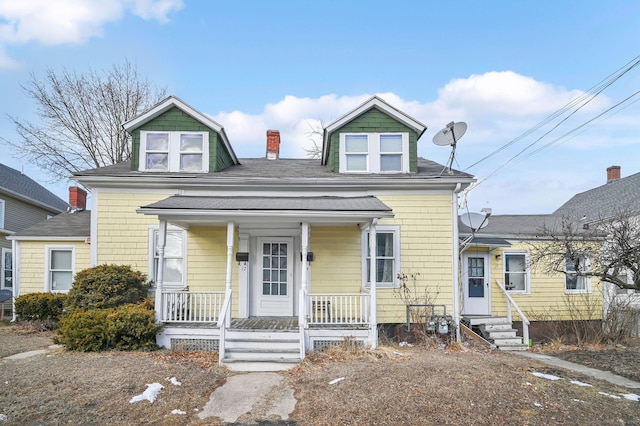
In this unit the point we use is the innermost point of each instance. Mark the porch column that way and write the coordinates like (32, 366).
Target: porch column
(373, 316)
(302, 304)
(161, 243)
(243, 279)
(230, 241)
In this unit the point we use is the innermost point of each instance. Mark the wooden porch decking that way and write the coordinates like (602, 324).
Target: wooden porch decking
(264, 323)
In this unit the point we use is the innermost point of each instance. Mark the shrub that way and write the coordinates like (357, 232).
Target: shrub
(107, 286)
(85, 331)
(44, 307)
(128, 327)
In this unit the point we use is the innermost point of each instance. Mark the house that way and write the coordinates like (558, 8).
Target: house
(500, 284)
(49, 253)
(264, 259)
(498, 255)
(23, 202)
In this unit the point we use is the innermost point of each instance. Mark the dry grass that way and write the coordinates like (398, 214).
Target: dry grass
(391, 385)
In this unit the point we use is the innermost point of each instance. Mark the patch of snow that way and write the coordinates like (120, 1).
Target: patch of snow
(150, 394)
(334, 381)
(176, 411)
(537, 404)
(631, 397)
(3, 417)
(398, 353)
(609, 395)
(576, 400)
(576, 382)
(407, 344)
(174, 381)
(545, 376)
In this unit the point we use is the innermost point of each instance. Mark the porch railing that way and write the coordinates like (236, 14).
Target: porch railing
(523, 317)
(336, 309)
(191, 306)
(223, 323)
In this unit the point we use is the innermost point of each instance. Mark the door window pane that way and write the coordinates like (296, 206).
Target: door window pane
(8, 269)
(476, 276)
(274, 269)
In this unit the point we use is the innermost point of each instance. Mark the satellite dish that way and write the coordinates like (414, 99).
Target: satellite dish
(450, 135)
(475, 221)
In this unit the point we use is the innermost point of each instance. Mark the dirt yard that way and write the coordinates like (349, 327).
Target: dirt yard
(393, 385)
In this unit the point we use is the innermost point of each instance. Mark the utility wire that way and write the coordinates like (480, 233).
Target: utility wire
(581, 100)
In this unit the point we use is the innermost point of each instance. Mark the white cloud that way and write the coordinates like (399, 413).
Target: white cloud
(70, 21)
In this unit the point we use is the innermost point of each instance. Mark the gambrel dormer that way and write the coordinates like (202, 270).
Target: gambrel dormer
(373, 138)
(174, 137)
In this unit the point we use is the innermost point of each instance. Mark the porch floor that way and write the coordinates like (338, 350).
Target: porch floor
(265, 323)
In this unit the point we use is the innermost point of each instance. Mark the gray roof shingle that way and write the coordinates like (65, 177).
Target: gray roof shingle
(19, 185)
(616, 196)
(76, 224)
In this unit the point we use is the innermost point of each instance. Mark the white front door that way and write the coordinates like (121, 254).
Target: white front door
(273, 286)
(475, 282)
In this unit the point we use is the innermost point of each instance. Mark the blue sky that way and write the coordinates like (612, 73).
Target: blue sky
(501, 67)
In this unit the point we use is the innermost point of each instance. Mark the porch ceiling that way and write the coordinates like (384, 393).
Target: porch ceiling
(190, 209)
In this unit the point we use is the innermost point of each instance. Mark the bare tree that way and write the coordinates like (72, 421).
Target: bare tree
(608, 249)
(80, 118)
(315, 135)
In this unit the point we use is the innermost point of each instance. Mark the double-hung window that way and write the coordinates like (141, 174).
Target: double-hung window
(374, 152)
(60, 266)
(174, 151)
(575, 281)
(387, 256)
(1, 214)
(7, 269)
(174, 255)
(516, 272)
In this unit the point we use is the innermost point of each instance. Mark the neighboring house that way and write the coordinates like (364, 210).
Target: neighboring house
(23, 202)
(48, 254)
(268, 257)
(619, 196)
(499, 281)
(498, 255)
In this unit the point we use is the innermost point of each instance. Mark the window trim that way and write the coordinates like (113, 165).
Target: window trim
(4, 268)
(153, 229)
(374, 153)
(393, 229)
(527, 271)
(48, 287)
(586, 280)
(173, 151)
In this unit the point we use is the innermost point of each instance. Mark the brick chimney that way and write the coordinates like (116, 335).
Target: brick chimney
(273, 144)
(613, 173)
(77, 198)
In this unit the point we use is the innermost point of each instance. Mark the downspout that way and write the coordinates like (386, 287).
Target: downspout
(15, 260)
(456, 260)
(373, 315)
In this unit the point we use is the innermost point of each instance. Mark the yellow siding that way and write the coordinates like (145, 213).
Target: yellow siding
(123, 234)
(32, 262)
(547, 299)
(425, 247)
(207, 259)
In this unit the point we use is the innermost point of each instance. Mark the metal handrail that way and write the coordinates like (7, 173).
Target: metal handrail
(525, 320)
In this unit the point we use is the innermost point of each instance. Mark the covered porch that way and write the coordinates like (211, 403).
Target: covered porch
(267, 298)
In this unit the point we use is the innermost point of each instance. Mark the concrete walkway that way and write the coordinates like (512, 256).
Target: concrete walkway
(587, 371)
(29, 354)
(250, 397)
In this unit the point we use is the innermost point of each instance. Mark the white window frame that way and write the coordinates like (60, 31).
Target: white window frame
(167, 285)
(4, 268)
(48, 285)
(527, 271)
(174, 152)
(374, 154)
(2, 204)
(586, 280)
(385, 229)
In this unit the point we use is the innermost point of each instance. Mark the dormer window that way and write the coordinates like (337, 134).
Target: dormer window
(374, 153)
(174, 151)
